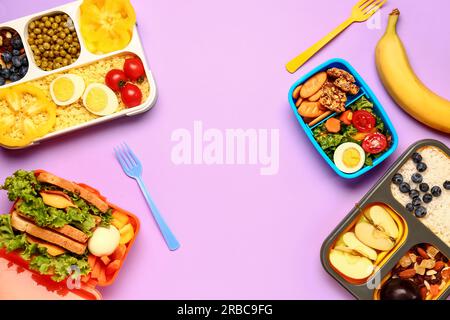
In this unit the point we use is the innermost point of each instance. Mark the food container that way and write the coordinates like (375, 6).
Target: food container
(29, 284)
(364, 91)
(413, 232)
(85, 58)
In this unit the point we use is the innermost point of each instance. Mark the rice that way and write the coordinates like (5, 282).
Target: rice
(437, 218)
(75, 113)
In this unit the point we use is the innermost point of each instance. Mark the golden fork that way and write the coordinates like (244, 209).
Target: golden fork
(362, 11)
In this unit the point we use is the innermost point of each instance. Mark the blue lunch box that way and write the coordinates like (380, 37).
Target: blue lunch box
(364, 91)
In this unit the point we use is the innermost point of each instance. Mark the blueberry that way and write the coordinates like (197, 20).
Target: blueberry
(16, 43)
(421, 167)
(16, 52)
(410, 207)
(5, 73)
(416, 157)
(436, 191)
(424, 187)
(24, 60)
(2, 81)
(16, 61)
(416, 202)
(15, 77)
(420, 212)
(397, 179)
(13, 69)
(427, 197)
(6, 56)
(417, 178)
(23, 71)
(446, 185)
(413, 193)
(404, 187)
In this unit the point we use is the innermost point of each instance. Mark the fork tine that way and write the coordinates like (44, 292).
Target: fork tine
(133, 156)
(360, 3)
(125, 157)
(375, 7)
(119, 158)
(367, 4)
(128, 156)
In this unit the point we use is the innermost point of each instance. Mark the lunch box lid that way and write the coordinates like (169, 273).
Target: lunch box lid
(18, 282)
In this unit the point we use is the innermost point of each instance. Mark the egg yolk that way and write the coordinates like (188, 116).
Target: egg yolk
(351, 157)
(97, 99)
(63, 89)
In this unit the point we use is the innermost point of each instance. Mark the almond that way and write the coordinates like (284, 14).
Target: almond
(423, 253)
(439, 265)
(408, 273)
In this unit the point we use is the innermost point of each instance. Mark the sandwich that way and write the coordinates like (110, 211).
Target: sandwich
(52, 222)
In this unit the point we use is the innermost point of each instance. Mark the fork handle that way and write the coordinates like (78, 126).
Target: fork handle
(169, 237)
(298, 61)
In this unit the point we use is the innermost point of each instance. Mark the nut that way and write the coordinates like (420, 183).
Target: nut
(413, 257)
(431, 272)
(422, 253)
(439, 265)
(407, 274)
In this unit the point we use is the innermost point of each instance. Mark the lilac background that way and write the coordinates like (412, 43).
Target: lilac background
(243, 235)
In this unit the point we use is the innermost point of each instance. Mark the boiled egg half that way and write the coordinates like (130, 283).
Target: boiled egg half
(349, 157)
(67, 89)
(100, 100)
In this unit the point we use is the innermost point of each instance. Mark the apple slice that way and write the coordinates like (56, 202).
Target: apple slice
(372, 237)
(352, 242)
(355, 267)
(383, 221)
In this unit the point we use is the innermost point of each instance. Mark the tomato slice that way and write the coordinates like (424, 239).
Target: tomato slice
(374, 143)
(363, 121)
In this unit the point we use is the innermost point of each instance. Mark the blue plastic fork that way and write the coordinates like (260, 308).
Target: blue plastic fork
(133, 168)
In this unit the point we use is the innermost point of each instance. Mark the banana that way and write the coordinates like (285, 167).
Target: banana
(403, 84)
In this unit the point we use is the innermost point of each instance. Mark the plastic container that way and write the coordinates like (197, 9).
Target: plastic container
(415, 232)
(364, 91)
(86, 57)
(19, 282)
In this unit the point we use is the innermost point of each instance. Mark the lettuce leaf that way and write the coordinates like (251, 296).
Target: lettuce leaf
(24, 185)
(60, 267)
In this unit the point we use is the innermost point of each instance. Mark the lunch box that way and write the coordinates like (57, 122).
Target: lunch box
(29, 284)
(86, 57)
(364, 91)
(414, 231)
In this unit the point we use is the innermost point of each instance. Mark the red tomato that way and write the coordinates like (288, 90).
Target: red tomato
(374, 143)
(363, 121)
(115, 79)
(134, 69)
(131, 95)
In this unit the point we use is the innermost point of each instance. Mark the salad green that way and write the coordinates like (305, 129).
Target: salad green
(60, 267)
(330, 141)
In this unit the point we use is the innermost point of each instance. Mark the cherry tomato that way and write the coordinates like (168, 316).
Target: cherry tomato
(134, 69)
(363, 121)
(115, 79)
(374, 143)
(131, 95)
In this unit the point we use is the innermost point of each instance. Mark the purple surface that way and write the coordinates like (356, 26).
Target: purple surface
(243, 235)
